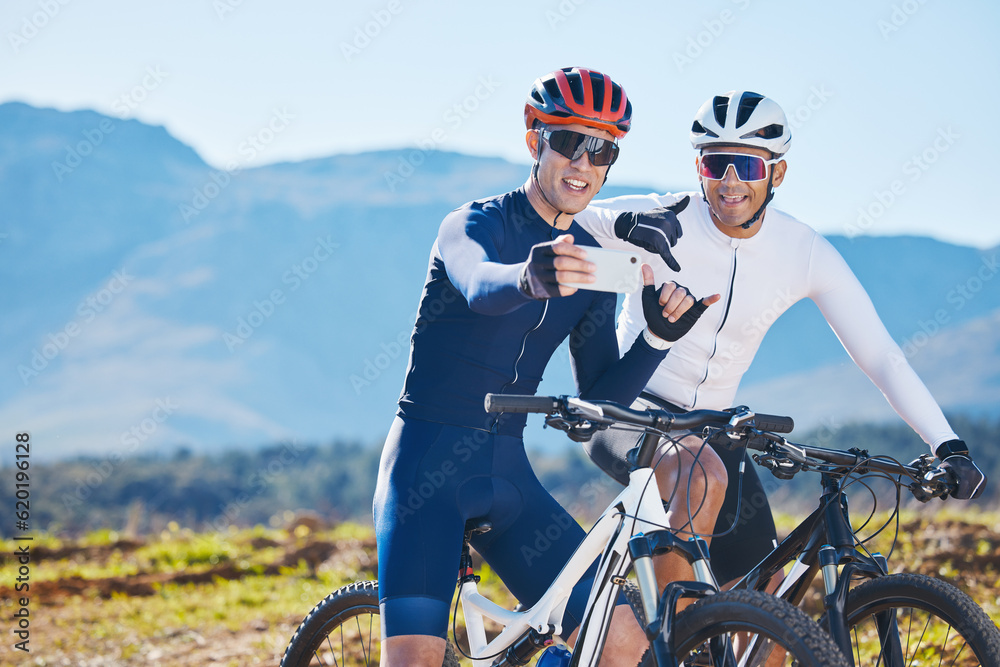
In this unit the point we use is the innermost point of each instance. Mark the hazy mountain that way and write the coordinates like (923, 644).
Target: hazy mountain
(153, 301)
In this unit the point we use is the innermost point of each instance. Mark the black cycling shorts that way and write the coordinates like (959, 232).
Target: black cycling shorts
(752, 537)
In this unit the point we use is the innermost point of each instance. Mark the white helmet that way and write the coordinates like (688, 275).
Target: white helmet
(741, 118)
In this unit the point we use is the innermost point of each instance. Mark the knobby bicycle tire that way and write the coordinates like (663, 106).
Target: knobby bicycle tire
(701, 632)
(937, 623)
(343, 630)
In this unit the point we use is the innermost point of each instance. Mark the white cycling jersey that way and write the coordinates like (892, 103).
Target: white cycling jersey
(759, 278)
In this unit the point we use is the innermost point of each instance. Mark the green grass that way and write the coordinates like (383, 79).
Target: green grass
(179, 616)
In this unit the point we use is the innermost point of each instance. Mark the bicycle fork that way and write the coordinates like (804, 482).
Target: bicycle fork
(659, 609)
(841, 550)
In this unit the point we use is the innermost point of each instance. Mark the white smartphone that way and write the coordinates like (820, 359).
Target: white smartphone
(617, 270)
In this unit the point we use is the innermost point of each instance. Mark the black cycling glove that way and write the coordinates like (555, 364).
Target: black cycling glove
(661, 326)
(955, 458)
(538, 276)
(656, 230)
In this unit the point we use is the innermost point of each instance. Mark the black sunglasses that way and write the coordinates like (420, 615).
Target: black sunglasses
(572, 145)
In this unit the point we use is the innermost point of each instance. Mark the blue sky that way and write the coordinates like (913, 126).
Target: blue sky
(889, 97)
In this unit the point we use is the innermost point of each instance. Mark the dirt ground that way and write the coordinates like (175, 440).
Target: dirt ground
(80, 621)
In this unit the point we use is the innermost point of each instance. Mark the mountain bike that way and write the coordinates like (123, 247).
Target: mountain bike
(876, 618)
(344, 628)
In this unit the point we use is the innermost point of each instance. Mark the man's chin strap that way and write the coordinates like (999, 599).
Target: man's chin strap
(538, 184)
(760, 211)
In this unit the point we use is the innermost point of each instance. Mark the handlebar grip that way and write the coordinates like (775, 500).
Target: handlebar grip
(774, 423)
(520, 403)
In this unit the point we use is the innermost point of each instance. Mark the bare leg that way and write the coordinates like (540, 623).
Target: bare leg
(695, 491)
(626, 641)
(624, 647)
(412, 651)
(777, 658)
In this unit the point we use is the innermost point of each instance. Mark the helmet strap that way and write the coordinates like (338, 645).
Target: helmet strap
(538, 184)
(767, 200)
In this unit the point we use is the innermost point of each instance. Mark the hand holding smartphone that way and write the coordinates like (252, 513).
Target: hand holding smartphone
(617, 270)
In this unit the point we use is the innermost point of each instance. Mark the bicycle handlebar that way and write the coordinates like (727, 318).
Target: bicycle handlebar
(928, 481)
(744, 427)
(606, 412)
(773, 423)
(516, 403)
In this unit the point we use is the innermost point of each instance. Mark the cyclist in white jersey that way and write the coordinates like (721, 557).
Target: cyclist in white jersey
(761, 261)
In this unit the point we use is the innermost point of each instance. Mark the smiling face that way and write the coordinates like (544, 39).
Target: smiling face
(732, 201)
(566, 185)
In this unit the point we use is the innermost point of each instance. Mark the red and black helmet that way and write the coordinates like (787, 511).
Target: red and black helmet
(576, 95)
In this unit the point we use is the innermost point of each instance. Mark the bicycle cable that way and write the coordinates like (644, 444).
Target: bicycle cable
(676, 442)
(454, 630)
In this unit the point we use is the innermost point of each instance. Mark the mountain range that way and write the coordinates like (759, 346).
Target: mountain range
(155, 301)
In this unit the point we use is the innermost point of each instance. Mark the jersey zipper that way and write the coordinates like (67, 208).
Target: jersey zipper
(725, 316)
(524, 340)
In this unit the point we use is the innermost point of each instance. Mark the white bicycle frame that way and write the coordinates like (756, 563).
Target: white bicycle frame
(638, 506)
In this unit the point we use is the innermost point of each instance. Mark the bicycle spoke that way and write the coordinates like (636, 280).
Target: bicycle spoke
(364, 652)
(922, 639)
(909, 626)
(923, 632)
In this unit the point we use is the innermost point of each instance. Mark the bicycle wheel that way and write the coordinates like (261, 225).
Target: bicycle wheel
(936, 623)
(765, 630)
(343, 630)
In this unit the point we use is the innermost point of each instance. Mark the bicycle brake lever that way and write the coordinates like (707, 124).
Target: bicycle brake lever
(585, 409)
(939, 482)
(797, 454)
(738, 419)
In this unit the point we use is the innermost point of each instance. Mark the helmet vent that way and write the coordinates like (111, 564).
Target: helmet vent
(552, 88)
(575, 86)
(720, 105)
(597, 86)
(772, 131)
(616, 98)
(748, 102)
(698, 128)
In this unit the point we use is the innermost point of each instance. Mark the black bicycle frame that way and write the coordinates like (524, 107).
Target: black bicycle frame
(827, 526)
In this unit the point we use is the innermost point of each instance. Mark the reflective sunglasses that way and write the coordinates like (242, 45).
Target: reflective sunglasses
(571, 145)
(748, 168)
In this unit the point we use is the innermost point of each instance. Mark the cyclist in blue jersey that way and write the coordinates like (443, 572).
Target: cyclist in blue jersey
(493, 310)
